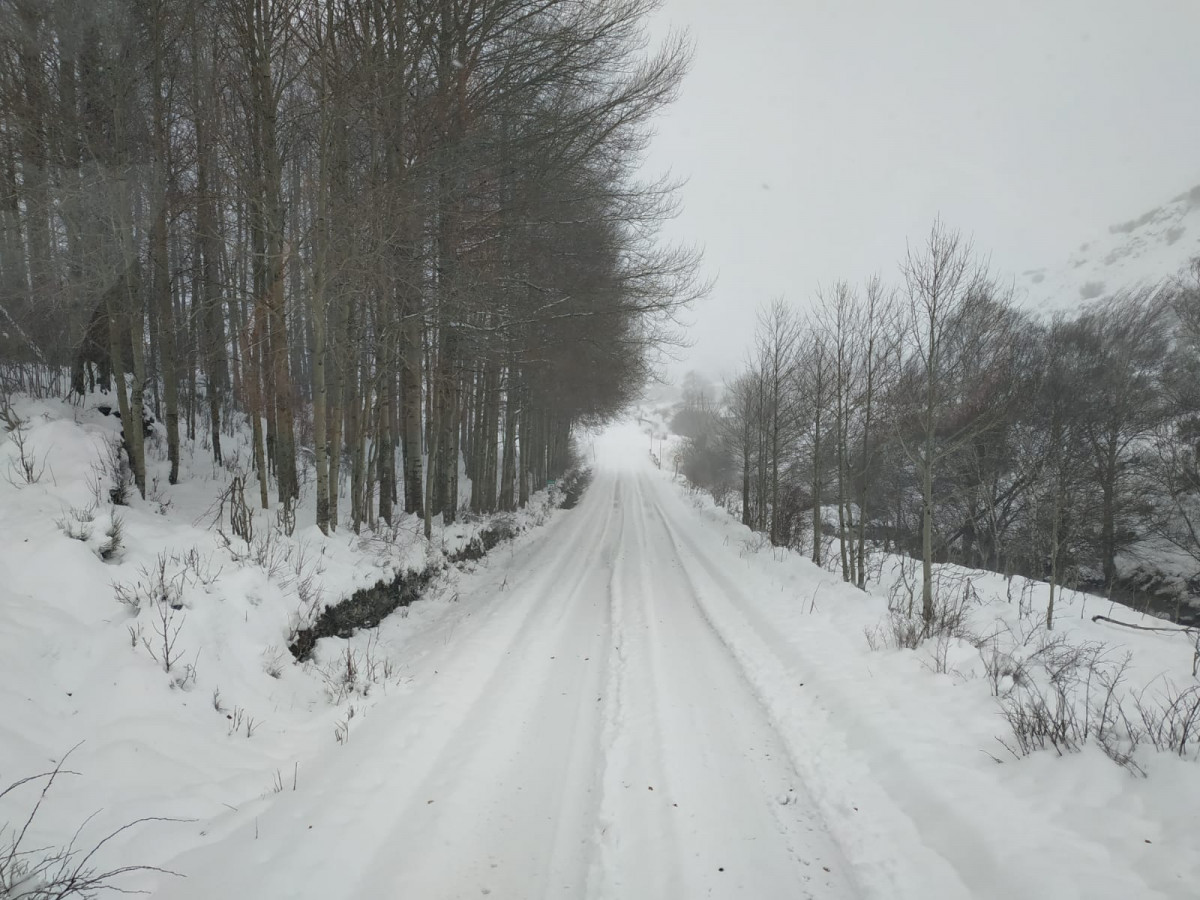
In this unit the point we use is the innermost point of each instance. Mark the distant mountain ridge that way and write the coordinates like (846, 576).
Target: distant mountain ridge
(1142, 251)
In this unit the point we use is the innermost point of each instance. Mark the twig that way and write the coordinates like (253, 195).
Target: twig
(1184, 629)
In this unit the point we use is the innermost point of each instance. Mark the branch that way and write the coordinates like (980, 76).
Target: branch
(1180, 629)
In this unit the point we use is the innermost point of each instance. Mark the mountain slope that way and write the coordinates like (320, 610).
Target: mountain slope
(1155, 245)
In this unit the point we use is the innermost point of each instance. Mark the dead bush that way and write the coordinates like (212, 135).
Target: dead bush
(24, 467)
(1040, 718)
(114, 536)
(163, 646)
(1171, 720)
(241, 517)
(57, 872)
(156, 584)
(897, 632)
(1069, 695)
(76, 523)
(241, 722)
(274, 661)
(357, 672)
(905, 628)
(1002, 670)
(9, 420)
(112, 469)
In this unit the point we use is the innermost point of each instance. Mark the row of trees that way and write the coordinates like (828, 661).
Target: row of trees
(940, 420)
(395, 234)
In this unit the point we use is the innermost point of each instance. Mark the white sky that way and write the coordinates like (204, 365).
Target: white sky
(818, 135)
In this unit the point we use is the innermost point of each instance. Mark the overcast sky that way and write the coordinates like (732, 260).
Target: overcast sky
(818, 135)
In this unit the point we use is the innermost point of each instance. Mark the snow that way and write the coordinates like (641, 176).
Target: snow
(236, 713)
(639, 700)
(917, 752)
(1138, 253)
(573, 726)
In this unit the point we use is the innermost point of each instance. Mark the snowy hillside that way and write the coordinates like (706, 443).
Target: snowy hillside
(1141, 251)
(144, 646)
(987, 750)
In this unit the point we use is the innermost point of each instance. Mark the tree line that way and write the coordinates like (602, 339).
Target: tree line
(390, 235)
(938, 419)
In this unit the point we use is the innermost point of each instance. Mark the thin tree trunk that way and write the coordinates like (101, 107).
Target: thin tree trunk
(319, 383)
(509, 468)
(253, 371)
(410, 373)
(816, 485)
(159, 260)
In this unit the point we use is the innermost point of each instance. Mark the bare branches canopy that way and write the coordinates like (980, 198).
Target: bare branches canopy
(394, 234)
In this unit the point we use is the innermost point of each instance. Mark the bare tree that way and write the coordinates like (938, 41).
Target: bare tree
(952, 322)
(778, 346)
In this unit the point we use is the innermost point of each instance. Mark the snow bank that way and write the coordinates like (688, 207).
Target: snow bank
(908, 746)
(161, 657)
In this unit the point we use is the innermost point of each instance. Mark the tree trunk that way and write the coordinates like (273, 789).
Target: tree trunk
(252, 376)
(1054, 550)
(746, 451)
(862, 475)
(816, 487)
(509, 467)
(1108, 538)
(927, 539)
(410, 373)
(319, 383)
(120, 300)
(159, 261)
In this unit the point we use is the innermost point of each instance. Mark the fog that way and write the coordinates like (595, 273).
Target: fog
(817, 137)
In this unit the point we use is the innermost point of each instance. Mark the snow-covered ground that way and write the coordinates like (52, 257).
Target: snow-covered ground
(914, 737)
(1140, 252)
(574, 728)
(640, 700)
(235, 718)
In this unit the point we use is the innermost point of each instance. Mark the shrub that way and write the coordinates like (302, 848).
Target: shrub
(115, 538)
(24, 467)
(1171, 721)
(905, 628)
(62, 872)
(114, 469)
(76, 523)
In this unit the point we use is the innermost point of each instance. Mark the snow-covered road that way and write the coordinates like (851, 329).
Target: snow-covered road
(643, 699)
(577, 729)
